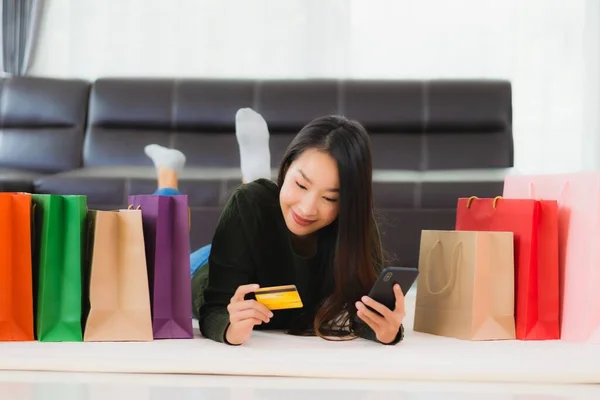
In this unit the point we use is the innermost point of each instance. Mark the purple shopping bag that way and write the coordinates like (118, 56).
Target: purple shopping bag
(167, 240)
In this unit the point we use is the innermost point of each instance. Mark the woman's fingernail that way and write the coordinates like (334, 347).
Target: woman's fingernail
(365, 299)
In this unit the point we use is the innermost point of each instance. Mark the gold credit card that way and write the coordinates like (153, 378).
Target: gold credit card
(279, 297)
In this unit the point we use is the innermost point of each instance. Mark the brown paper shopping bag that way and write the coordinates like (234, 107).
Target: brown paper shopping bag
(465, 287)
(119, 296)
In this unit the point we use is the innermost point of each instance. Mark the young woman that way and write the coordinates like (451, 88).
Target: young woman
(313, 228)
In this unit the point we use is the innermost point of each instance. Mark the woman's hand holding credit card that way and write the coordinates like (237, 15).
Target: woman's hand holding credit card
(244, 315)
(279, 297)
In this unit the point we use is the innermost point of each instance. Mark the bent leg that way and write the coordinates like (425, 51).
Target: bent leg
(168, 163)
(199, 257)
(252, 136)
(167, 192)
(199, 270)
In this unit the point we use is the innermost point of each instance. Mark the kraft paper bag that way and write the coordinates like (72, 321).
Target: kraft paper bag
(16, 295)
(167, 238)
(59, 247)
(119, 299)
(465, 287)
(578, 197)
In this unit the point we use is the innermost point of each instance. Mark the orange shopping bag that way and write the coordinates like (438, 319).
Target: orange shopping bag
(16, 289)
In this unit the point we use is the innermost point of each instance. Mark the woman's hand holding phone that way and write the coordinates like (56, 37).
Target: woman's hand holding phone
(386, 325)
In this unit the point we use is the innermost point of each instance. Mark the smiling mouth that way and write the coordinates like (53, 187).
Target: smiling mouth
(301, 221)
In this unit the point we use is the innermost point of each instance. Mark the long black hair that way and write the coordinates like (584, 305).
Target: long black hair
(350, 246)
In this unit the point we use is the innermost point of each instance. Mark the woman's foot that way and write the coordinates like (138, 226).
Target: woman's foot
(168, 163)
(252, 136)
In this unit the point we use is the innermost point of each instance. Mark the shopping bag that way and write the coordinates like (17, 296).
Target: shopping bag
(465, 287)
(119, 299)
(535, 227)
(167, 238)
(578, 197)
(57, 265)
(16, 296)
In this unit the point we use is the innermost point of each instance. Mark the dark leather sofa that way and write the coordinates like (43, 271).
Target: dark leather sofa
(433, 141)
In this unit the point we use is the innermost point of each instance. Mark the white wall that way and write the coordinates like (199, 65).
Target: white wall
(547, 48)
(215, 38)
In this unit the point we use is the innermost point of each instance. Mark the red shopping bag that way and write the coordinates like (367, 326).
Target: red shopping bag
(534, 224)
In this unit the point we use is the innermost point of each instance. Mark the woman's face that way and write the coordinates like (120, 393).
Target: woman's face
(309, 197)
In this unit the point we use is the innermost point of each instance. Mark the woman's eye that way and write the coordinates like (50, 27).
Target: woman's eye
(330, 200)
(300, 186)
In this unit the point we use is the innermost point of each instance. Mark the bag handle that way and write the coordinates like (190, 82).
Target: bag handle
(453, 270)
(494, 204)
(130, 207)
(561, 196)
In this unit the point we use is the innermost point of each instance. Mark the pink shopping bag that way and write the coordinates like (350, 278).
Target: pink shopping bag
(578, 197)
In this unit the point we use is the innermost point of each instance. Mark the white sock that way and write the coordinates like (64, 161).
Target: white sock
(165, 157)
(253, 140)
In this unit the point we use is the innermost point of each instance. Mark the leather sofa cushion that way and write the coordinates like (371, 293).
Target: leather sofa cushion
(414, 125)
(110, 186)
(168, 104)
(386, 107)
(433, 190)
(42, 122)
(468, 125)
(444, 195)
(468, 106)
(108, 147)
(401, 232)
(211, 187)
(473, 150)
(17, 180)
(288, 106)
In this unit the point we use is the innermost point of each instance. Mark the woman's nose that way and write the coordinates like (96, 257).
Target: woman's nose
(308, 206)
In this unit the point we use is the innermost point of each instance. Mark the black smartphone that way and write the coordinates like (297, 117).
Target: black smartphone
(383, 289)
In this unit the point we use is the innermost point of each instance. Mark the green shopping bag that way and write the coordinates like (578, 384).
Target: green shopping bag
(58, 261)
